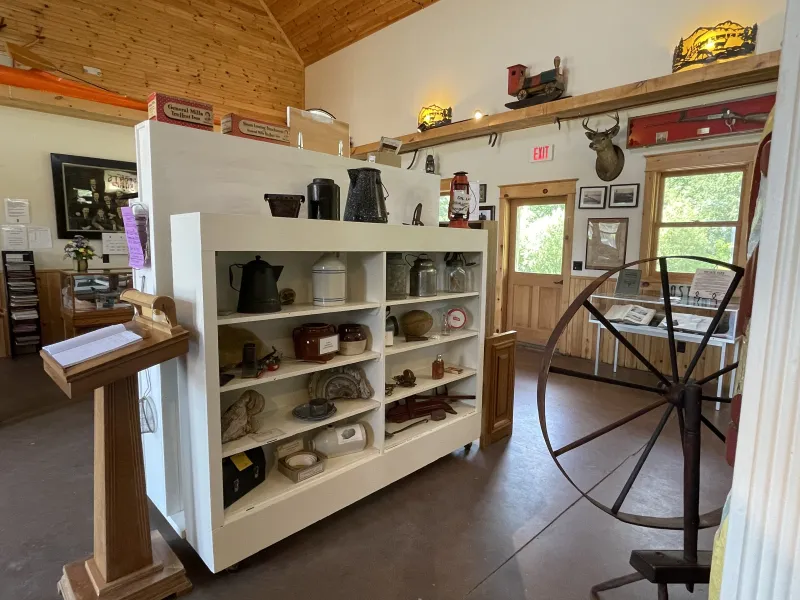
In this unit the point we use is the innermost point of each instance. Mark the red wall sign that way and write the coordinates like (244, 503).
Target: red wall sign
(712, 120)
(541, 153)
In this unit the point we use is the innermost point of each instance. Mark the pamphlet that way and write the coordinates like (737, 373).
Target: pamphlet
(632, 314)
(91, 345)
(628, 282)
(688, 323)
(711, 283)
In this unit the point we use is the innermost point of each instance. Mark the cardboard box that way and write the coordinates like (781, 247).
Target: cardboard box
(384, 158)
(298, 474)
(233, 124)
(180, 111)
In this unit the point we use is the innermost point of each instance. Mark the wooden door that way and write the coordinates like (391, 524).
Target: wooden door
(539, 265)
(498, 387)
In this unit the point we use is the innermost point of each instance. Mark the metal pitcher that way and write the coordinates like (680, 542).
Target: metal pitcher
(366, 201)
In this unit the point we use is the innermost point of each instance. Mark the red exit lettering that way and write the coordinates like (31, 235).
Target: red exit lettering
(540, 153)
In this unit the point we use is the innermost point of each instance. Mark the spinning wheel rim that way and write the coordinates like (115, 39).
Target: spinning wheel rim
(706, 520)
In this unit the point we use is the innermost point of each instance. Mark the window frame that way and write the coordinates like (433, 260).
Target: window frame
(692, 162)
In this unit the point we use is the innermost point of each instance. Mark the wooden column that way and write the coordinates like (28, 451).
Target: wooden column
(121, 527)
(761, 557)
(498, 387)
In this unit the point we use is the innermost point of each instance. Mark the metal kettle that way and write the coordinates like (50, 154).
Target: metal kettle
(366, 202)
(258, 292)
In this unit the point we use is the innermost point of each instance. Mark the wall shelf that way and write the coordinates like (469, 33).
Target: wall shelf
(291, 367)
(751, 70)
(426, 383)
(439, 297)
(296, 310)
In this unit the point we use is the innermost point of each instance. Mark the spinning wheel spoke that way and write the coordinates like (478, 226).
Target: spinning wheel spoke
(673, 353)
(717, 399)
(623, 340)
(712, 427)
(719, 373)
(640, 463)
(604, 430)
(738, 273)
(627, 384)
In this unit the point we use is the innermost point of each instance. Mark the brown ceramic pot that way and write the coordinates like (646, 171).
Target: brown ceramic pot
(315, 341)
(352, 339)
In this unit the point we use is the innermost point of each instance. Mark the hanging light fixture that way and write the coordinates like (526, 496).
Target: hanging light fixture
(706, 45)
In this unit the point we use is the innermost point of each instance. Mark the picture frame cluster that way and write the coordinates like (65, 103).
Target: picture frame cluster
(624, 195)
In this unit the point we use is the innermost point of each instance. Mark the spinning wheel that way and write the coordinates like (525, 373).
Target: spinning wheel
(673, 393)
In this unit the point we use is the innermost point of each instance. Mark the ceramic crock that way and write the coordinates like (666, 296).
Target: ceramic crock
(315, 341)
(352, 339)
(329, 280)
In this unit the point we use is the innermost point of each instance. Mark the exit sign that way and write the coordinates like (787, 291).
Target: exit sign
(542, 153)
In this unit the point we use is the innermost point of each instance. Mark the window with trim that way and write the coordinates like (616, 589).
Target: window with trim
(695, 205)
(444, 200)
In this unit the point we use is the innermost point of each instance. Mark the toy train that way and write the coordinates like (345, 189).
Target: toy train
(546, 86)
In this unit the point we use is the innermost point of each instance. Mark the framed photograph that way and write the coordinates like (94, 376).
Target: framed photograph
(486, 213)
(89, 194)
(606, 241)
(482, 193)
(592, 197)
(624, 196)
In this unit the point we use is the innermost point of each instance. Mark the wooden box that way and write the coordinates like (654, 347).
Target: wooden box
(233, 124)
(180, 111)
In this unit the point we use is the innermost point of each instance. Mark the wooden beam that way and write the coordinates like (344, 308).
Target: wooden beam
(760, 68)
(282, 32)
(48, 102)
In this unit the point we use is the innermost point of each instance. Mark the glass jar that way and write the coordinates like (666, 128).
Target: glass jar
(396, 276)
(456, 274)
(423, 277)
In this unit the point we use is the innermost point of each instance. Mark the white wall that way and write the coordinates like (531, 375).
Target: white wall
(455, 53)
(28, 139)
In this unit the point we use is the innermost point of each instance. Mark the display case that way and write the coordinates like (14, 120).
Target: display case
(90, 299)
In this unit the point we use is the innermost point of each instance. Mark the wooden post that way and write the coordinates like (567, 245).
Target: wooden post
(498, 387)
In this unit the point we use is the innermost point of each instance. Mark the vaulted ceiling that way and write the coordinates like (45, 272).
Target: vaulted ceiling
(317, 28)
(243, 56)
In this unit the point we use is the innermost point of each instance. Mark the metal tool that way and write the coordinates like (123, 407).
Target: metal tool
(390, 435)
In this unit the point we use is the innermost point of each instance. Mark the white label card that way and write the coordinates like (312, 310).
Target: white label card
(115, 243)
(329, 344)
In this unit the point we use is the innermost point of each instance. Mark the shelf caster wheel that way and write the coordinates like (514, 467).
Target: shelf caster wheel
(467, 447)
(234, 568)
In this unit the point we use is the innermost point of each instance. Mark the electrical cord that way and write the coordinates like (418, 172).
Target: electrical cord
(413, 160)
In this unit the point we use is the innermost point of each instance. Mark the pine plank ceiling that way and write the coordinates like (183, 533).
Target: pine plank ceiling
(317, 28)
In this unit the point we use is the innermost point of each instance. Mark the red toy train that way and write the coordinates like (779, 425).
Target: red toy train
(547, 85)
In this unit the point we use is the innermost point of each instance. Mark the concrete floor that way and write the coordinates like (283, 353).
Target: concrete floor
(496, 524)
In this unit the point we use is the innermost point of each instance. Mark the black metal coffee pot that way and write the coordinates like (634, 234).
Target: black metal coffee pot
(258, 292)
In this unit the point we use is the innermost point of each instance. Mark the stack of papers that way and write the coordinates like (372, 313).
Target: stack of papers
(91, 345)
(22, 315)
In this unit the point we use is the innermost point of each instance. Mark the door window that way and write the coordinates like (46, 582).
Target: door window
(540, 239)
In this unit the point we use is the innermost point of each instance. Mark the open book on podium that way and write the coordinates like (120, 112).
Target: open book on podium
(92, 360)
(130, 561)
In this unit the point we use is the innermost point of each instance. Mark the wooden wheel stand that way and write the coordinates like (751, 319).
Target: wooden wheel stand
(130, 562)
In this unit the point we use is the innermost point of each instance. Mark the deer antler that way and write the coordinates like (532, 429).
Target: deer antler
(616, 124)
(585, 124)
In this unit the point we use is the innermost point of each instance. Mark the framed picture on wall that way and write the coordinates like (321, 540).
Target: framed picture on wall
(482, 193)
(486, 213)
(89, 194)
(592, 197)
(624, 196)
(606, 241)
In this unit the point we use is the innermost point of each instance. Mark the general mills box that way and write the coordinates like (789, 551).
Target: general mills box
(233, 124)
(180, 111)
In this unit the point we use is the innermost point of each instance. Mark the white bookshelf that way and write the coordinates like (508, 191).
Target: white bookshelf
(203, 247)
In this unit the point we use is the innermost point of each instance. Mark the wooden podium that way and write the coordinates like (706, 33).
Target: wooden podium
(130, 562)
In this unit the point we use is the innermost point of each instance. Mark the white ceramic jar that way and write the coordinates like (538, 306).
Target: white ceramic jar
(329, 280)
(338, 441)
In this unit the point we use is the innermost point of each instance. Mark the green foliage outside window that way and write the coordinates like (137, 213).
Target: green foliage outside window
(709, 198)
(540, 239)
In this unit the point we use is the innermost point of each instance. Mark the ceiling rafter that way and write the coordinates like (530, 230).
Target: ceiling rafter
(282, 32)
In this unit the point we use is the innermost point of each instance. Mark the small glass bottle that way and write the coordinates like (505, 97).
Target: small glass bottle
(437, 368)
(445, 323)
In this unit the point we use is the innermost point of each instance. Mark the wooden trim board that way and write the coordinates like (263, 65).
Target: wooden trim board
(760, 68)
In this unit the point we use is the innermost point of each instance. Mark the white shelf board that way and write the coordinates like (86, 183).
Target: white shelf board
(283, 419)
(425, 382)
(278, 487)
(304, 309)
(440, 296)
(400, 345)
(463, 409)
(291, 367)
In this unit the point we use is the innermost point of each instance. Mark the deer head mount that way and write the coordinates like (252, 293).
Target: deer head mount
(610, 158)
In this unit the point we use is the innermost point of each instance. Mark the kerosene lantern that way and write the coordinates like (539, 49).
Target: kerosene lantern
(459, 209)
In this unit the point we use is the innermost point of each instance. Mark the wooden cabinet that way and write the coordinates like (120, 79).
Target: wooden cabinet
(498, 387)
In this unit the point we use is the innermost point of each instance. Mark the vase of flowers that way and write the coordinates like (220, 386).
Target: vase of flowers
(80, 252)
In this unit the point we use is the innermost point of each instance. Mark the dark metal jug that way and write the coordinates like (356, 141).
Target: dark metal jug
(366, 202)
(258, 292)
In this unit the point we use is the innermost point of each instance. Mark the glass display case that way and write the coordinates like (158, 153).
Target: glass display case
(90, 299)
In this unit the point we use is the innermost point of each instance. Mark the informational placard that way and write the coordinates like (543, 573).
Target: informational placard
(18, 210)
(711, 283)
(39, 238)
(134, 242)
(115, 243)
(628, 282)
(15, 237)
